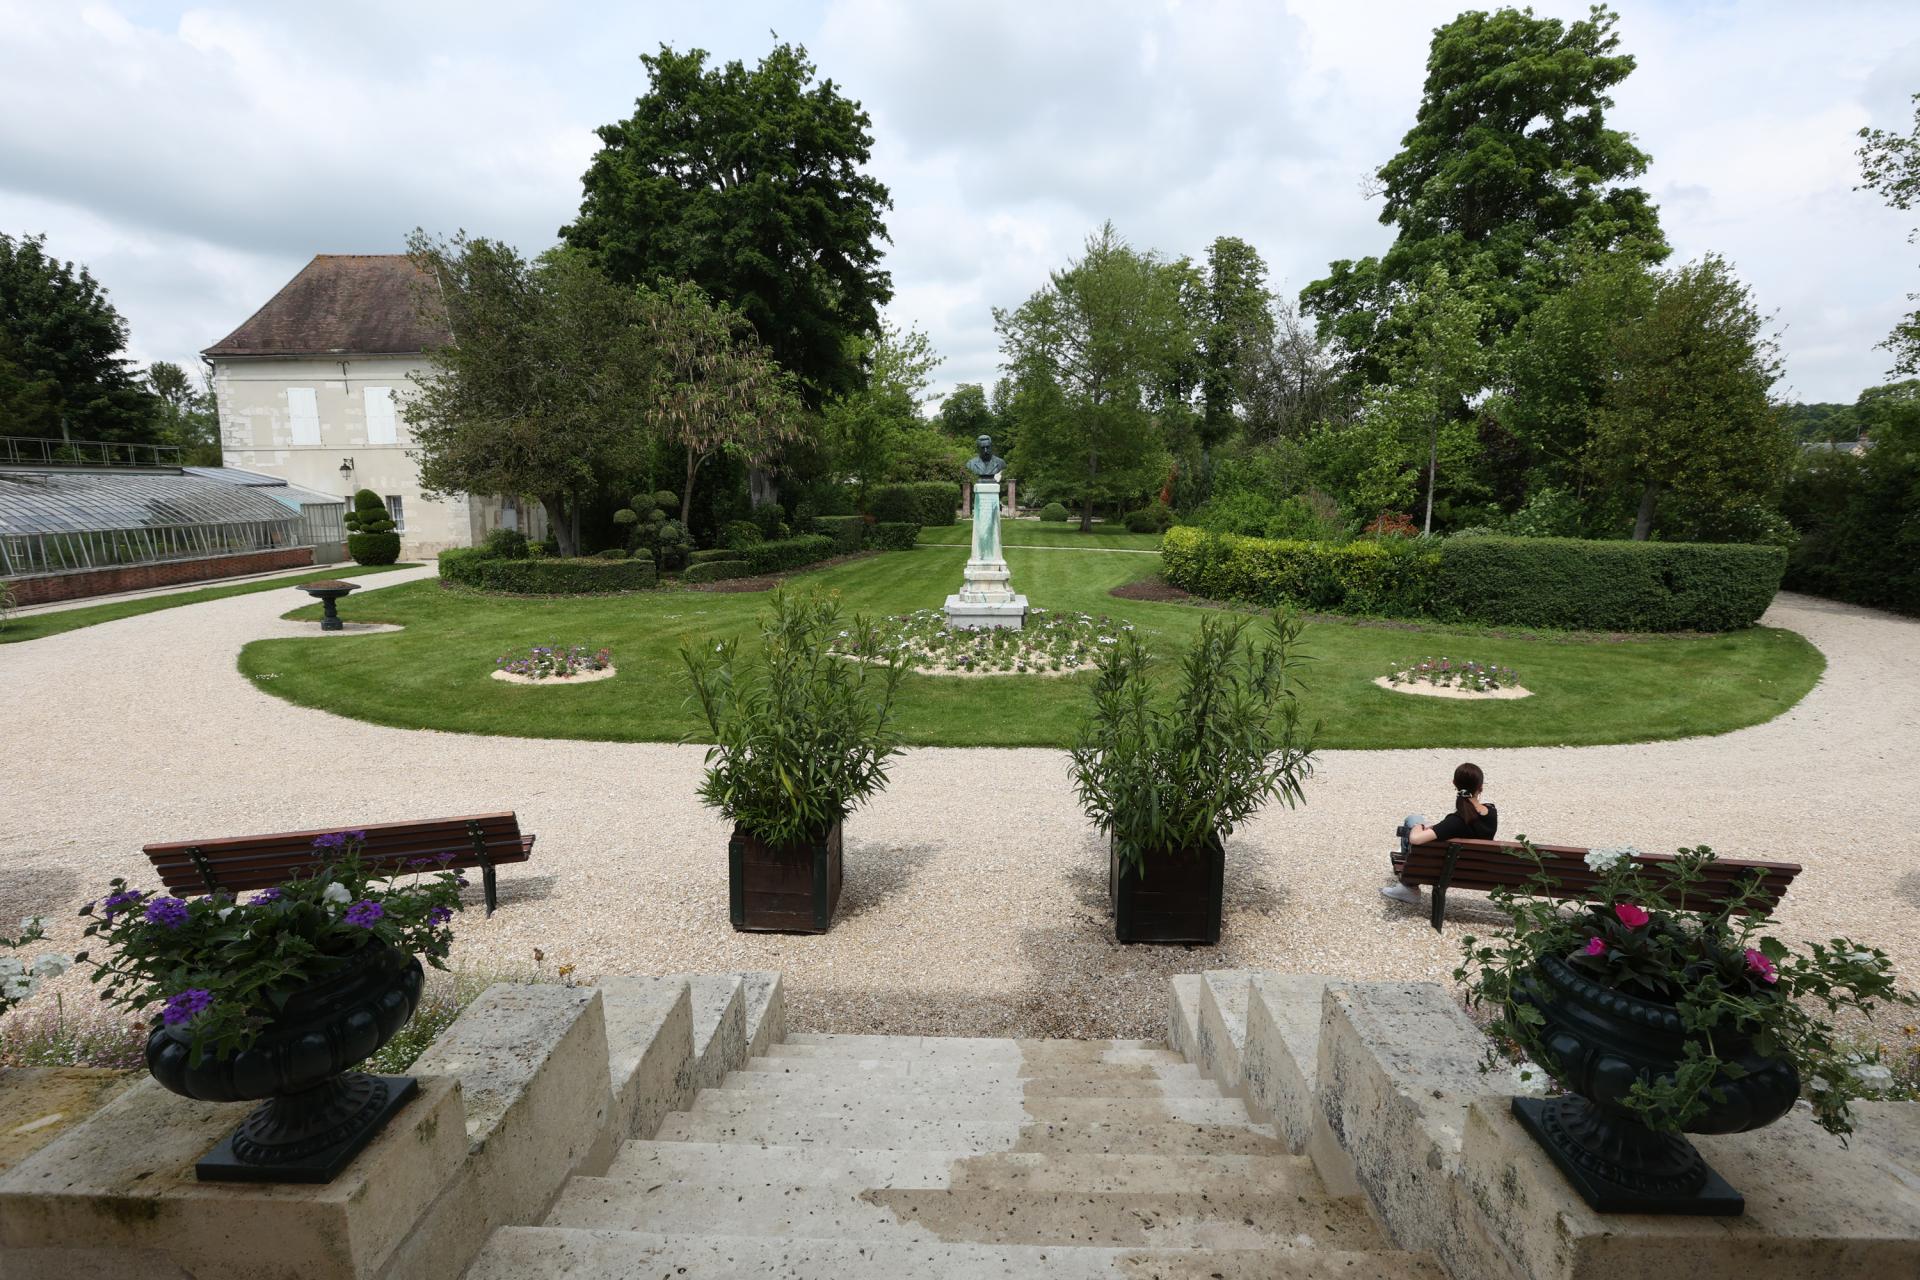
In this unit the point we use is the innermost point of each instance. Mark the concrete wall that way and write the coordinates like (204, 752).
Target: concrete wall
(258, 400)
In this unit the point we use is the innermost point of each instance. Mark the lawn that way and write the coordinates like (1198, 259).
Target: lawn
(435, 674)
(32, 626)
(1034, 533)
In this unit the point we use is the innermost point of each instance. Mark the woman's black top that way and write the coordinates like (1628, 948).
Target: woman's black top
(1481, 828)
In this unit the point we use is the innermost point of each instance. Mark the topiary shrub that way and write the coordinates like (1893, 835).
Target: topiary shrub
(741, 533)
(1154, 518)
(716, 571)
(924, 502)
(847, 532)
(1054, 513)
(893, 535)
(540, 576)
(370, 533)
(626, 517)
(667, 500)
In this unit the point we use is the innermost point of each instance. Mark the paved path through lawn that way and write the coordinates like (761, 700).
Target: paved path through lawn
(975, 892)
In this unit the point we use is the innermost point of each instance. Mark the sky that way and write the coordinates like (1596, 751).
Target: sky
(195, 157)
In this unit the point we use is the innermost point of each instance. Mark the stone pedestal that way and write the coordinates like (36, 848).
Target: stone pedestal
(986, 597)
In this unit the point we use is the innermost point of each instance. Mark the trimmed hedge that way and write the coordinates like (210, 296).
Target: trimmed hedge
(472, 567)
(718, 553)
(1557, 583)
(924, 502)
(787, 553)
(893, 535)
(1053, 513)
(1155, 518)
(1578, 585)
(716, 571)
(847, 532)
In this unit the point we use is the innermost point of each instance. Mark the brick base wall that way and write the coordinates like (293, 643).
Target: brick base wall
(46, 588)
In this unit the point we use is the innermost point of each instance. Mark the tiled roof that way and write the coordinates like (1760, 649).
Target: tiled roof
(344, 304)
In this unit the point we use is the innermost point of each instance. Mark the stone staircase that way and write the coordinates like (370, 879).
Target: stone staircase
(871, 1157)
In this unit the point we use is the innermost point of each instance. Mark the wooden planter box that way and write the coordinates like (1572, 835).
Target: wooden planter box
(789, 888)
(1178, 900)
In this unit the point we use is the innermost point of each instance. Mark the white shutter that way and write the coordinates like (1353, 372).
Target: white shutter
(381, 425)
(303, 411)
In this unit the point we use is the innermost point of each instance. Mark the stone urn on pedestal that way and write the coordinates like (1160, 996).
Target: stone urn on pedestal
(986, 597)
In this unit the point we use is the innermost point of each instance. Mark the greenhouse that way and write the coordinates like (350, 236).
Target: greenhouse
(52, 522)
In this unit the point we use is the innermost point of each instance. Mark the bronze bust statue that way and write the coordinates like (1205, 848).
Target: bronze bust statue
(986, 465)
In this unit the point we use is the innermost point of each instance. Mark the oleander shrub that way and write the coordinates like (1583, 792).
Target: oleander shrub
(1054, 513)
(923, 502)
(1154, 518)
(1580, 585)
(543, 576)
(788, 553)
(716, 554)
(847, 532)
(716, 571)
(371, 538)
(893, 535)
(1390, 576)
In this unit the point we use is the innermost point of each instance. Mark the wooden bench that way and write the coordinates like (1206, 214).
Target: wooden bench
(1504, 864)
(239, 863)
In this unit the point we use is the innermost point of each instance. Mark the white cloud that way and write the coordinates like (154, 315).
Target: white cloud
(196, 157)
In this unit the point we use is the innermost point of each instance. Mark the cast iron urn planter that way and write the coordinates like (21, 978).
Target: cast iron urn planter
(1601, 1041)
(1177, 900)
(319, 1114)
(329, 593)
(784, 888)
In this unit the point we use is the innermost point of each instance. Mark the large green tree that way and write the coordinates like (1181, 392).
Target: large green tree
(1858, 516)
(1235, 326)
(1093, 354)
(877, 433)
(1890, 164)
(188, 419)
(1509, 169)
(546, 389)
(63, 364)
(750, 183)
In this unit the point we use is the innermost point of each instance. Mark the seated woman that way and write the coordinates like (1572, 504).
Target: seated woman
(1470, 820)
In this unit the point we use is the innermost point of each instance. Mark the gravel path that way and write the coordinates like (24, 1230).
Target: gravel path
(975, 892)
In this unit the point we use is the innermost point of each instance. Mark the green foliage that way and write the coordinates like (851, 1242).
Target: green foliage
(1234, 325)
(739, 534)
(925, 502)
(626, 516)
(1890, 164)
(876, 433)
(771, 521)
(371, 538)
(612, 553)
(715, 571)
(1859, 517)
(1053, 513)
(788, 553)
(847, 532)
(1732, 984)
(1548, 513)
(665, 499)
(748, 183)
(1568, 584)
(540, 576)
(965, 415)
(505, 544)
(63, 364)
(1156, 518)
(801, 738)
(1392, 576)
(717, 553)
(188, 417)
(1509, 170)
(1171, 779)
(893, 535)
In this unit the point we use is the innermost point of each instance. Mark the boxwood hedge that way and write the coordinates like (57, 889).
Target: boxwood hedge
(718, 553)
(716, 571)
(1557, 583)
(893, 535)
(473, 567)
(788, 553)
(923, 502)
(847, 532)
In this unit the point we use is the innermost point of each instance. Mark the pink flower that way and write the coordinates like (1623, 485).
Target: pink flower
(1631, 916)
(1595, 947)
(1762, 966)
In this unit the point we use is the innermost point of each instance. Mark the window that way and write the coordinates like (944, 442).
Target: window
(381, 426)
(397, 513)
(303, 412)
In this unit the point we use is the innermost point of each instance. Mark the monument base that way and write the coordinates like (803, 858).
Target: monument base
(974, 616)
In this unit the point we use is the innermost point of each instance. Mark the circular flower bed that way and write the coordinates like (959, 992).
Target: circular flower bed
(1445, 678)
(1051, 643)
(551, 662)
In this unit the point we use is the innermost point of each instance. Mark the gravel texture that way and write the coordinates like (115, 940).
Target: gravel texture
(975, 898)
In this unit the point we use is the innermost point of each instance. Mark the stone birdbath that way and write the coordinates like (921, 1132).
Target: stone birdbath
(327, 593)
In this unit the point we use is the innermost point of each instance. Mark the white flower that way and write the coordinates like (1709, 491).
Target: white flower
(49, 965)
(1604, 860)
(32, 924)
(11, 967)
(17, 988)
(1530, 1079)
(1860, 957)
(336, 892)
(224, 912)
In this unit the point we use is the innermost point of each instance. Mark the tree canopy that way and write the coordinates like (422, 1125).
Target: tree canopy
(63, 368)
(1890, 164)
(749, 183)
(1509, 168)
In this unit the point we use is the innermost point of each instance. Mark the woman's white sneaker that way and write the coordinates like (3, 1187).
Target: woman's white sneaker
(1401, 893)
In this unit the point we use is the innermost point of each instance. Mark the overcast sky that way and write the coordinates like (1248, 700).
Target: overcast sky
(194, 157)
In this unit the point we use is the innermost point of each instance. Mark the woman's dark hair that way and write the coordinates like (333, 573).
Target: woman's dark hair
(1467, 781)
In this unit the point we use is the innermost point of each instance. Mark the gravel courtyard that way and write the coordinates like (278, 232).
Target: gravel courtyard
(975, 891)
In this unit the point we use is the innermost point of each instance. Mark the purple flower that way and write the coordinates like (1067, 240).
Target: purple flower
(331, 840)
(169, 912)
(118, 902)
(263, 897)
(364, 913)
(439, 915)
(182, 1007)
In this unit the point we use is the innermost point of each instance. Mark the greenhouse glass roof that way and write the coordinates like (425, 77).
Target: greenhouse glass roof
(39, 502)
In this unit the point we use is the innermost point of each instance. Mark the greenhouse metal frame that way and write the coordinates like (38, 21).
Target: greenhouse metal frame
(72, 522)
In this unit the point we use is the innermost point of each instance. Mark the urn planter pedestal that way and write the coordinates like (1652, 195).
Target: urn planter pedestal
(1601, 1041)
(320, 1114)
(1177, 900)
(790, 888)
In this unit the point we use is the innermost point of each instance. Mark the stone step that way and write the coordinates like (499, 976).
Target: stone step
(873, 1130)
(827, 1085)
(937, 1106)
(950, 1070)
(972, 1049)
(727, 1164)
(1127, 1219)
(550, 1253)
